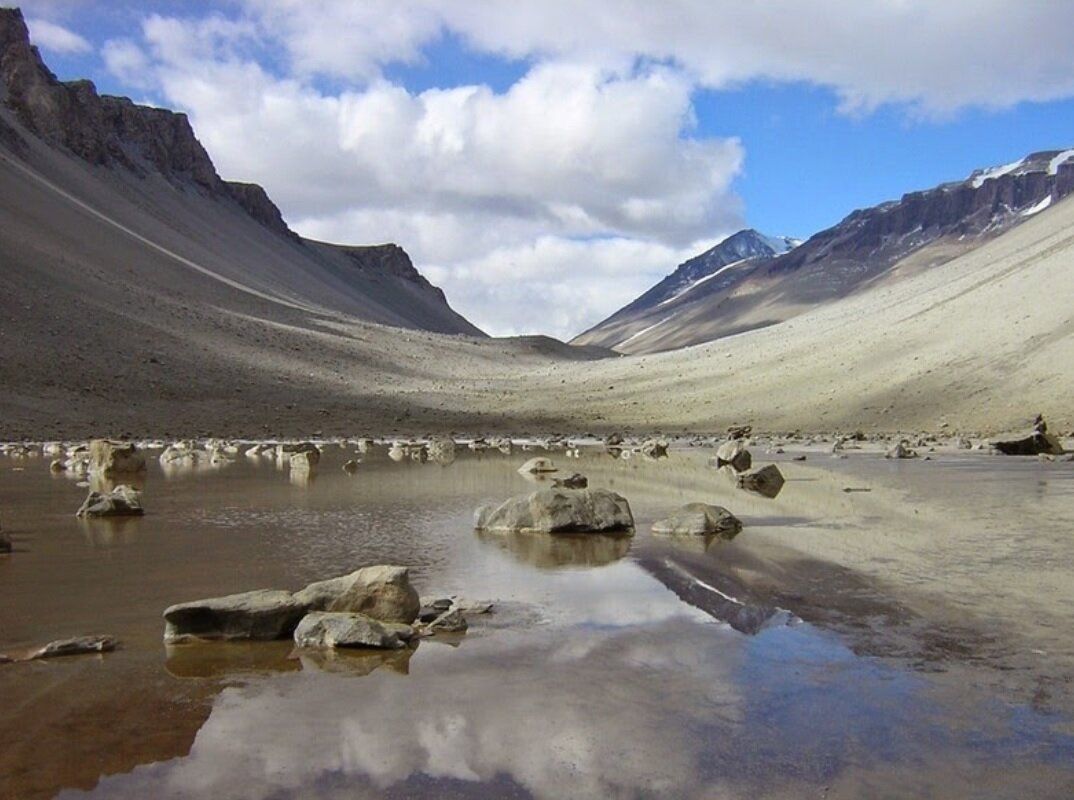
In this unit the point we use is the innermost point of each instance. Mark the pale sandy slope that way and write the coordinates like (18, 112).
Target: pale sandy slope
(982, 342)
(103, 332)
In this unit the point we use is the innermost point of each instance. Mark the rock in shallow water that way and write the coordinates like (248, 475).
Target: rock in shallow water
(700, 519)
(121, 501)
(75, 646)
(381, 592)
(262, 614)
(345, 629)
(767, 481)
(559, 511)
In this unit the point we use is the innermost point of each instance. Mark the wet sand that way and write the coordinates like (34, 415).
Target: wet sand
(913, 638)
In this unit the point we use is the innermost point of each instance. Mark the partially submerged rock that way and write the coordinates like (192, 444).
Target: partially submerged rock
(1038, 442)
(901, 449)
(767, 481)
(286, 452)
(733, 453)
(381, 592)
(575, 481)
(450, 621)
(115, 458)
(700, 519)
(122, 501)
(559, 511)
(263, 614)
(350, 467)
(654, 448)
(538, 465)
(324, 629)
(74, 646)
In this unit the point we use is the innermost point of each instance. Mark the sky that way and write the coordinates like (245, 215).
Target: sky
(546, 161)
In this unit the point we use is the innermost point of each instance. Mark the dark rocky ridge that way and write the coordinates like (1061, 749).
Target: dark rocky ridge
(922, 230)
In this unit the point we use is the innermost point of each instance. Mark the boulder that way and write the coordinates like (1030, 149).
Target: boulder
(700, 519)
(559, 511)
(115, 458)
(285, 451)
(654, 448)
(264, 614)
(575, 481)
(901, 449)
(442, 450)
(381, 592)
(324, 629)
(733, 453)
(121, 501)
(304, 461)
(1038, 442)
(538, 465)
(75, 646)
(767, 481)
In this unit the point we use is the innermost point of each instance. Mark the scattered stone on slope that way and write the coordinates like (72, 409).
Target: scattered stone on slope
(559, 511)
(122, 501)
(767, 481)
(325, 629)
(700, 519)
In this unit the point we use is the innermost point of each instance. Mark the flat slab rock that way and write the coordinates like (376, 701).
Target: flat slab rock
(559, 510)
(700, 519)
(382, 593)
(326, 629)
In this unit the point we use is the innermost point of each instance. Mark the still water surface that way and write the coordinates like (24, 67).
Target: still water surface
(909, 640)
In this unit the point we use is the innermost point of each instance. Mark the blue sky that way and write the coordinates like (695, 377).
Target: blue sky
(545, 162)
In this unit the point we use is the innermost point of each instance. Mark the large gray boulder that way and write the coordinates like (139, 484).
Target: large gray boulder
(559, 511)
(264, 614)
(115, 458)
(342, 629)
(123, 501)
(700, 519)
(381, 592)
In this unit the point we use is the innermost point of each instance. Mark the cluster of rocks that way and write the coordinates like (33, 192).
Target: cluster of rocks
(370, 607)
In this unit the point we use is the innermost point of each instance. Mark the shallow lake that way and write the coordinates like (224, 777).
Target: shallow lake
(879, 629)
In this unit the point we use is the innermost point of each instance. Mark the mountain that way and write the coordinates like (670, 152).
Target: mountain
(870, 247)
(142, 172)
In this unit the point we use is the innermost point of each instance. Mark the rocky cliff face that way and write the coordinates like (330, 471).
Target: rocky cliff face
(110, 131)
(925, 228)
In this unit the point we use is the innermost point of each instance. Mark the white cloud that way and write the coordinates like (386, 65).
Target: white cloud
(54, 37)
(590, 158)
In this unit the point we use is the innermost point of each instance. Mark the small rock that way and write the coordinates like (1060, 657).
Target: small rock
(767, 481)
(733, 453)
(613, 440)
(57, 465)
(451, 621)
(538, 465)
(700, 519)
(799, 458)
(75, 646)
(121, 501)
(654, 448)
(901, 449)
(324, 629)
(575, 481)
(350, 467)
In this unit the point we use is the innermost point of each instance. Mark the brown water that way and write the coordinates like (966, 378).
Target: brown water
(935, 658)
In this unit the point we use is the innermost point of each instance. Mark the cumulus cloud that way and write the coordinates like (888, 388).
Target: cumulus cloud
(55, 37)
(588, 164)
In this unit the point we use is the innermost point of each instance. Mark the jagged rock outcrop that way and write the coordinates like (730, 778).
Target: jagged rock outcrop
(256, 202)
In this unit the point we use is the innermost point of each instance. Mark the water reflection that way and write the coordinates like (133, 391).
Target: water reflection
(552, 551)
